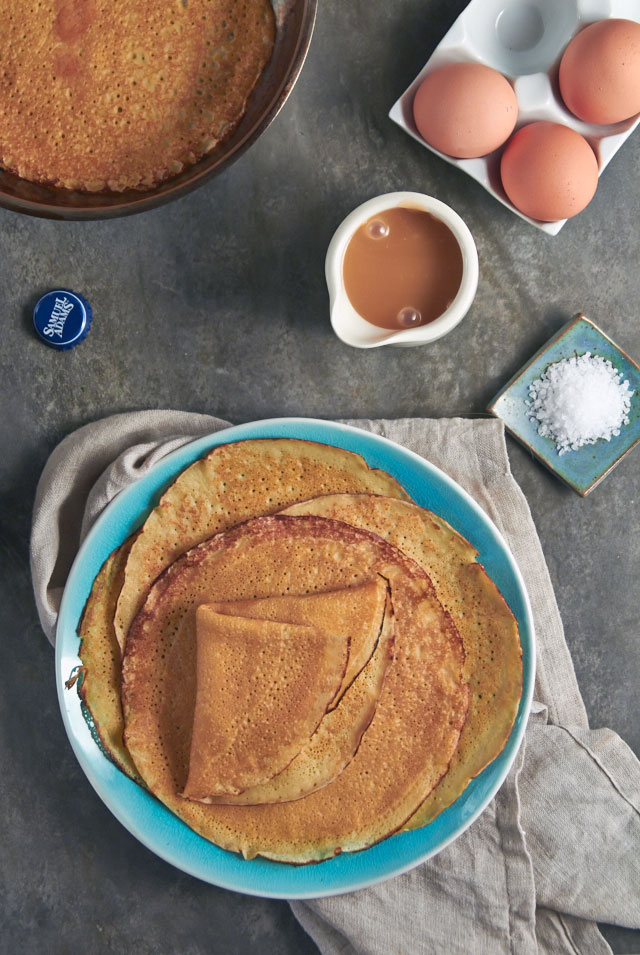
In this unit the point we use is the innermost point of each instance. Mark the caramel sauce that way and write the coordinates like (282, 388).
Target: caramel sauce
(402, 268)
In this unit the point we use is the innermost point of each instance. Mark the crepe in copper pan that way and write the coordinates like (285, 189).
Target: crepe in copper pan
(103, 96)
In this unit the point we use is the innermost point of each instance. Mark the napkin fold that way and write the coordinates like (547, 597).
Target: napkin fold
(557, 849)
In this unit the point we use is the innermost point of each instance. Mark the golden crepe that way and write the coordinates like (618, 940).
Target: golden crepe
(356, 611)
(493, 655)
(233, 483)
(101, 97)
(360, 614)
(262, 688)
(372, 765)
(412, 736)
(307, 468)
(336, 740)
(99, 682)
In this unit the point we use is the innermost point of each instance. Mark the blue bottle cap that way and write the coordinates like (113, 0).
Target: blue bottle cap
(62, 318)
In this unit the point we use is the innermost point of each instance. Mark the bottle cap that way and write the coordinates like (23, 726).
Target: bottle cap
(62, 318)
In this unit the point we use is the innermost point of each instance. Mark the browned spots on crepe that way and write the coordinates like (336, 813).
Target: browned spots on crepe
(73, 18)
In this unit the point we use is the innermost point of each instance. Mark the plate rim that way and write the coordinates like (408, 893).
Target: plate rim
(278, 427)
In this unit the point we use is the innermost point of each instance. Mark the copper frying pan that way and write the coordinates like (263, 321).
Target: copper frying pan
(294, 21)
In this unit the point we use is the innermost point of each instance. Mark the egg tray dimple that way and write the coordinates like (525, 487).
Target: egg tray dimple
(524, 40)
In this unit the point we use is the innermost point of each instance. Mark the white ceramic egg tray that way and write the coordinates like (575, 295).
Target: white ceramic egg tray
(524, 40)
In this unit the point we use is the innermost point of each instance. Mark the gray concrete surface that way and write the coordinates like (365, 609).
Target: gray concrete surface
(217, 303)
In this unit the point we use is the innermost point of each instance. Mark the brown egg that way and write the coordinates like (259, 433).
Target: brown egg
(600, 72)
(549, 171)
(465, 109)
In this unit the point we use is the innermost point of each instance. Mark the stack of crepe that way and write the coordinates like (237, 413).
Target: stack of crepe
(294, 657)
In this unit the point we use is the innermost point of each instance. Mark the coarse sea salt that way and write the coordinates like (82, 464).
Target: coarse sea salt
(579, 401)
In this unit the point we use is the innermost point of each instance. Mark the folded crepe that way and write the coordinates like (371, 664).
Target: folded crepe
(262, 688)
(337, 738)
(357, 611)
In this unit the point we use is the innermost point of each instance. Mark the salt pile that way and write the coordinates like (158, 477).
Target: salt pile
(579, 401)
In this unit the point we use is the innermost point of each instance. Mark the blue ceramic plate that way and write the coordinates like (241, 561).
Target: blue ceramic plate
(154, 825)
(587, 466)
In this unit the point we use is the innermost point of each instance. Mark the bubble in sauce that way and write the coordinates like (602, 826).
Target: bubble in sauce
(409, 317)
(377, 229)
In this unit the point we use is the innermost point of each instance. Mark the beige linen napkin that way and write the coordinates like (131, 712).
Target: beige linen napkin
(558, 848)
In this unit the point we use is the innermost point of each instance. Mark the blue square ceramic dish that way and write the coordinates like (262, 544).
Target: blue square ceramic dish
(587, 466)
